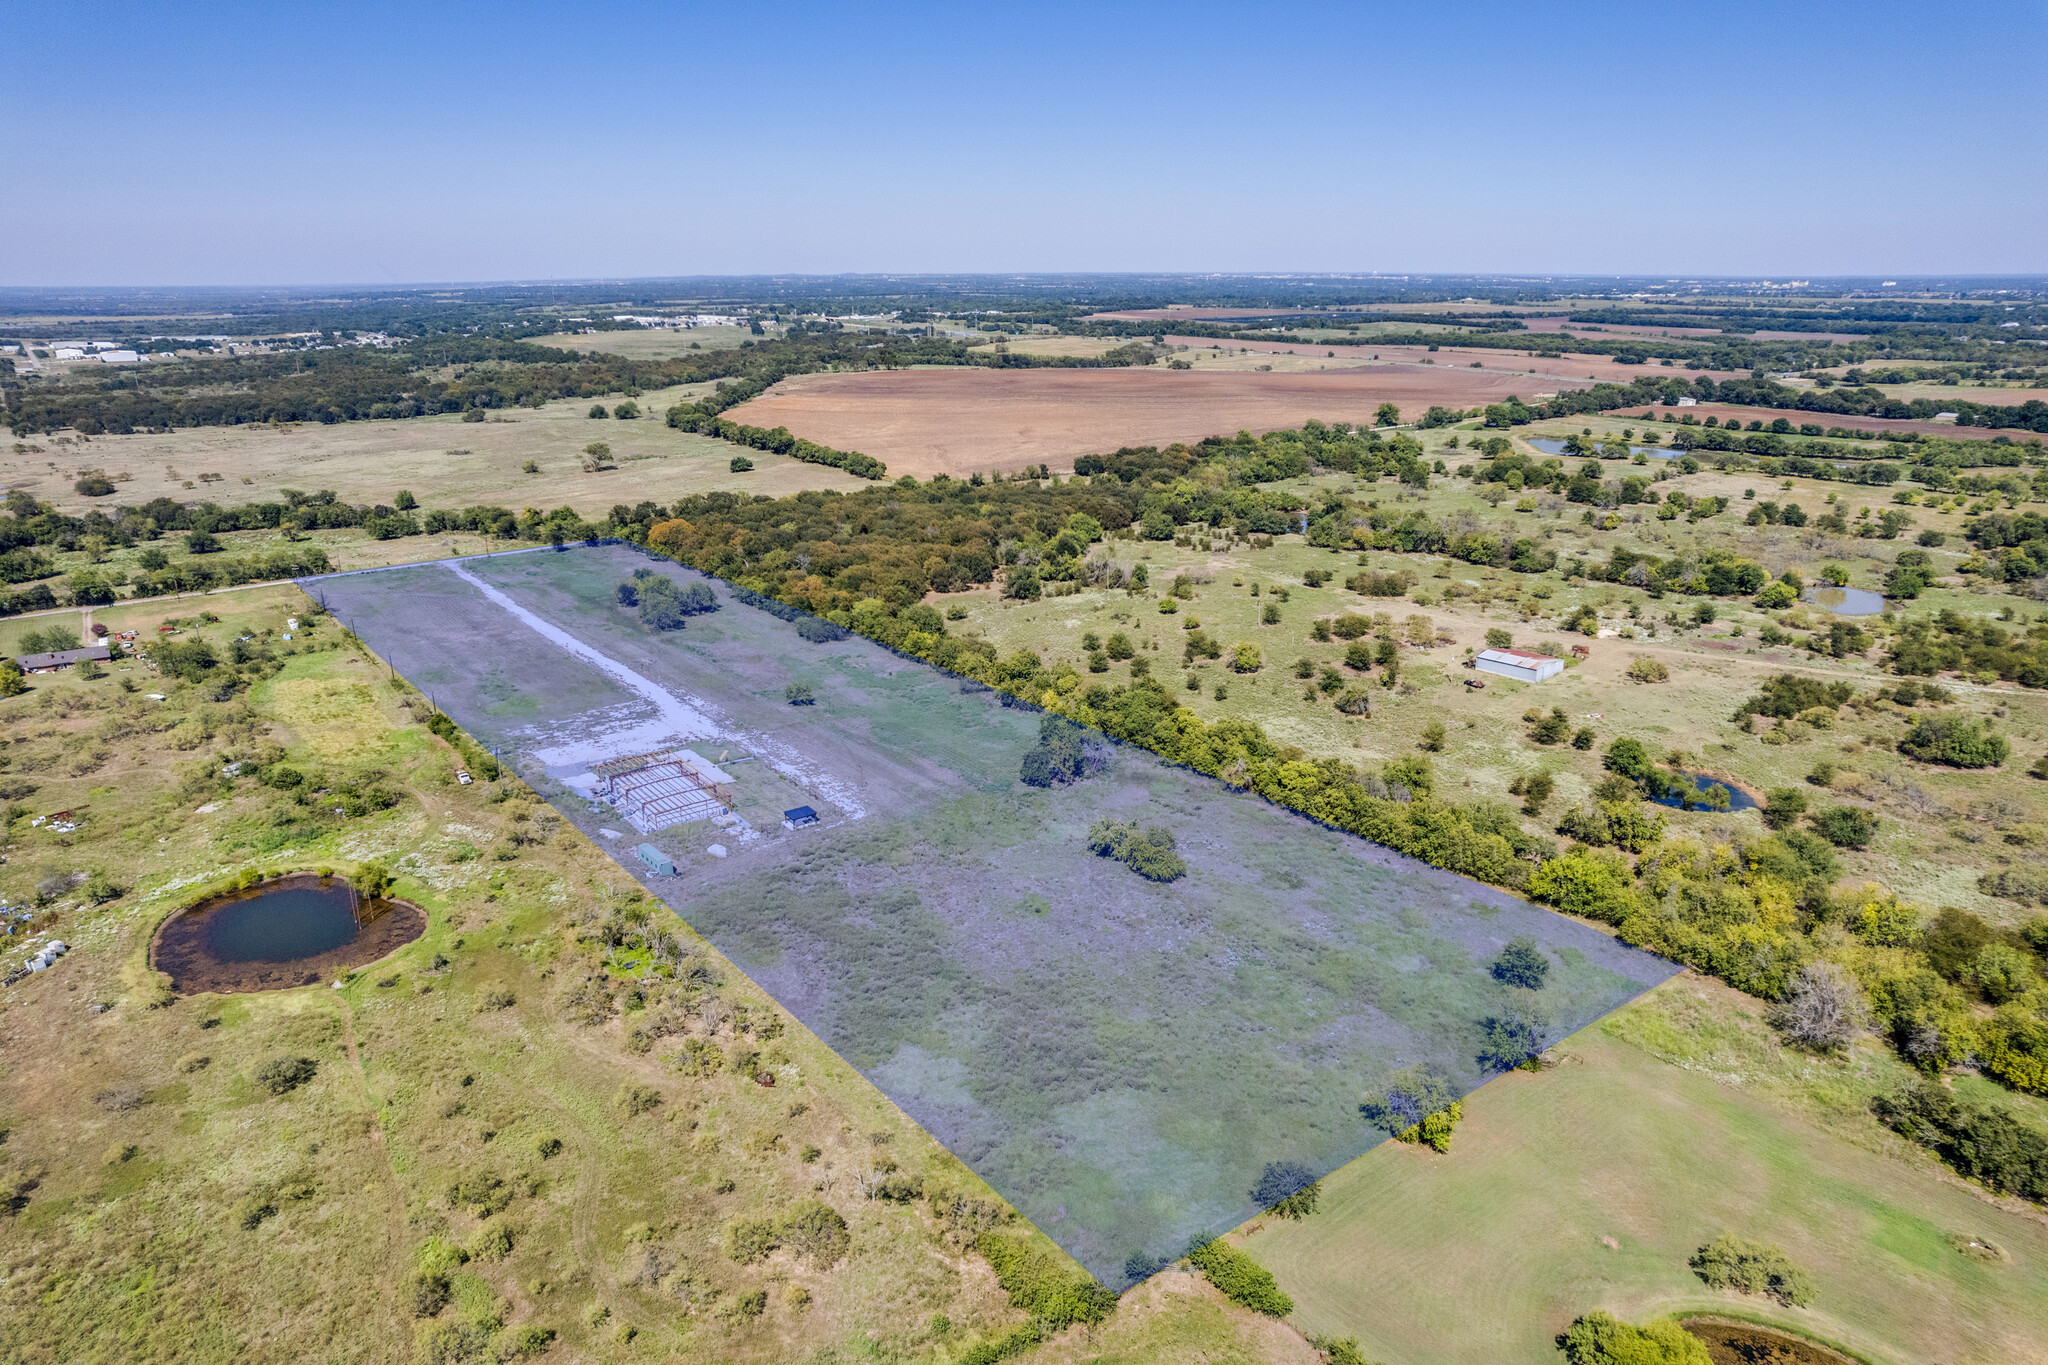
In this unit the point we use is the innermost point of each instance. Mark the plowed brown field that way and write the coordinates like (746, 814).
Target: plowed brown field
(960, 421)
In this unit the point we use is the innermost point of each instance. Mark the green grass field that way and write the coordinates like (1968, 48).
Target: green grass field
(1588, 1185)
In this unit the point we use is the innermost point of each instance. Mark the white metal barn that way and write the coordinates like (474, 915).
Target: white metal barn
(1519, 664)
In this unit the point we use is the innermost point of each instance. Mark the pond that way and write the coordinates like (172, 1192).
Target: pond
(296, 930)
(1847, 601)
(1696, 798)
(1741, 1343)
(1549, 447)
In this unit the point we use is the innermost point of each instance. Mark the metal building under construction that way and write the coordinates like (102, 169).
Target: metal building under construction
(670, 787)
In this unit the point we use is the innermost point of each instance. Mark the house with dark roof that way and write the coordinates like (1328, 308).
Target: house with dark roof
(64, 658)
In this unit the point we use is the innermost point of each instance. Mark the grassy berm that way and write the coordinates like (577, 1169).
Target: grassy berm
(543, 1129)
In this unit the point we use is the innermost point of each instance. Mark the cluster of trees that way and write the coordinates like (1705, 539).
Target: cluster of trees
(663, 603)
(1151, 852)
(1983, 1143)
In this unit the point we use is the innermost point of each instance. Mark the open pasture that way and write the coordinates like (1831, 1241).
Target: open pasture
(652, 343)
(962, 421)
(1677, 1119)
(444, 461)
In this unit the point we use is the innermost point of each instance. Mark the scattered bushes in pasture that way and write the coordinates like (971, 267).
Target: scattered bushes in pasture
(812, 1229)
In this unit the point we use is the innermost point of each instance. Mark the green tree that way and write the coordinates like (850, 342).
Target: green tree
(1784, 807)
(1522, 963)
(1386, 415)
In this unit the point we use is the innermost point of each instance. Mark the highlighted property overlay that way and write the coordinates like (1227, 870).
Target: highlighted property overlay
(1126, 994)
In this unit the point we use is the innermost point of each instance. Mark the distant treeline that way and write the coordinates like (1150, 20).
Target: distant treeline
(1694, 353)
(489, 373)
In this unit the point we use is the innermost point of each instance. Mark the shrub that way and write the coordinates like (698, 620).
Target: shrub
(1646, 670)
(493, 1242)
(1754, 1268)
(281, 1075)
(1599, 1338)
(1246, 658)
(1041, 1281)
(1784, 807)
(796, 694)
(496, 998)
(751, 1240)
(1824, 1008)
(1776, 596)
(1433, 737)
(1957, 741)
(1846, 826)
(1499, 639)
(429, 1292)
(739, 464)
(637, 1099)
(815, 1231)
(1522, 963)
(1241, 1279)
(1149, 852)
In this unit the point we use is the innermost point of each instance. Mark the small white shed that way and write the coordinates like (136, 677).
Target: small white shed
(1519, 664)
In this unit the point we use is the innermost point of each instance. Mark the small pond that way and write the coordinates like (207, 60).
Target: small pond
(289, 931)
(1549, 447)
(1748, 1343)
(1847, 601)
(1680, 799)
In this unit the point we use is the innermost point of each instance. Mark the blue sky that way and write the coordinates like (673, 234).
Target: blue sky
(172, 144)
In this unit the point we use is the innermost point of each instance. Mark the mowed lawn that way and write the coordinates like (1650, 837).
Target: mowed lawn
(1588, 1185)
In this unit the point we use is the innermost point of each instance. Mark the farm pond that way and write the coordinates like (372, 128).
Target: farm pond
(1692, 788)
(1847, 601)
(287, 931)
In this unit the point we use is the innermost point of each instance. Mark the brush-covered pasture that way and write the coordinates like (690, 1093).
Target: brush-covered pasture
(541, 1129)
